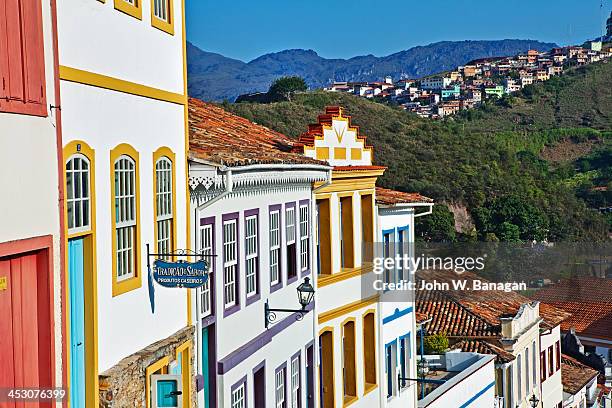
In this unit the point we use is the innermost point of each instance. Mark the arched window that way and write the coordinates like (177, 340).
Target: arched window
(164, 216)
(125, 217)
(78, 194)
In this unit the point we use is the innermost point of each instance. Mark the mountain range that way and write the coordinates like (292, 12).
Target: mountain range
(214, 77)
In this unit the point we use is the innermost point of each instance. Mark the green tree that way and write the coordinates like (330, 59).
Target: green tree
(439, 226)
(508, 232)
(283, 88)
(435, 343)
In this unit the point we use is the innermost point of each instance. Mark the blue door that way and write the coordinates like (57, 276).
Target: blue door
(77, 323)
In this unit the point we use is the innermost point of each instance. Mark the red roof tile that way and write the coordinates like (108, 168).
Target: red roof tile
(393, 197)
(575, 375)
(224, 138)
(588, 299)
(485, 347)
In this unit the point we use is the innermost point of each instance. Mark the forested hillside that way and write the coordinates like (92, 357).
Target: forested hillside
(500, 161)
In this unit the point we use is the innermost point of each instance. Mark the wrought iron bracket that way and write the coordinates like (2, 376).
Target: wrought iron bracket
(270, 314)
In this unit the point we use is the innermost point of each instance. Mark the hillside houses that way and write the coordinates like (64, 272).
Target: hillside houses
(467, 86)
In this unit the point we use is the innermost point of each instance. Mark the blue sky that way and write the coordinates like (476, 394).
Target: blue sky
(246, 29)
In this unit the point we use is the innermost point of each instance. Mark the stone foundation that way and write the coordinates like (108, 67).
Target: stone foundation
(123, 385)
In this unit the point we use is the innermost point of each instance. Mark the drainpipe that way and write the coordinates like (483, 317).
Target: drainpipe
(60, 190)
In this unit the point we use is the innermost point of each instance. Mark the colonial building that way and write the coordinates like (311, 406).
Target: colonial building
(347, 311)
(252, 208)
(123, 87)
(31, 247)
(396, 213)
(523, 335)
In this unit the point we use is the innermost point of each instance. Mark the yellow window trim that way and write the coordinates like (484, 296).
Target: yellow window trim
(115, 84)
(186, 348)
(129, 9)
(135, 282)
(166, 26)
(90, 282)
(368, 387)
(348, 308)
(157, 155)
(349, 399)
(156, 366)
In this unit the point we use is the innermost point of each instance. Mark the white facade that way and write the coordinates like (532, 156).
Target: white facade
(435, 82)
(123, 102)
(30, 205)
(273, 198)
(552, 387)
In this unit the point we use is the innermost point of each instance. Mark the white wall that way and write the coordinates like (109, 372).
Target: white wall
(95, 37)
(552, 387)
(104, 119)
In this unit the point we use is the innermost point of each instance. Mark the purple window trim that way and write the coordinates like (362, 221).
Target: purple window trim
(296, 227)
(257, 343)
(279, 208)
(297, 355)
(306, 272)
(241, 381)
(257, 368)
(227, 311)
(283, 368)
(213, 260)
(257, 295)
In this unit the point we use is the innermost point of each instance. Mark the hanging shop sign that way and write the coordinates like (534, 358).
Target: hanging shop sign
(180, 274)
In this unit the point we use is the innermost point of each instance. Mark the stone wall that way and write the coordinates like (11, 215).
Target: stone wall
(123, 385)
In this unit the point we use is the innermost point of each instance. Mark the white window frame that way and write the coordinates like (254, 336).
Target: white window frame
(279, 388)
(296, 379)
(275, 242)
(290, 225)
(251, 251)
(161, 10)
(164, 216)
(78, 193)
(206, 237)
(304, 237)
(125, 216)
(239, 397)
(230, 261)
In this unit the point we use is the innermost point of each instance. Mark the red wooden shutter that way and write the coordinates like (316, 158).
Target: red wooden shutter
(22, 66)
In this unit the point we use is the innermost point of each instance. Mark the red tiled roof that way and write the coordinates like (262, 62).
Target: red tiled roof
(469, 316)
(221, 137)
(588, 299)
(392, 197)
(575, 375)
(421, 317)
(485, 347)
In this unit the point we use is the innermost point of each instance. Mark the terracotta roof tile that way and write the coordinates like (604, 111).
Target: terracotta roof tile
(575, 375)
(485, 347)
(224, 138)
(588, 299)
(392, 197)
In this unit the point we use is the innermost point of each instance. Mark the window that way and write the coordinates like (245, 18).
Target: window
(404, 359)
(519, 380)
(346, 232)
(304, 238)
(230, 261)
(326, 369)
(275, 240)
(369, 349)
(206, 247)
(130, 7)
(324, 254)
(161, 15)
(550, 361)
(527, 386)
(542, 366)
(279, 388)
(296, 397)
(290, 246)
(164, 206)
(534, 370)
(388, 253)
(390, 363)
(367, 229)
(125, 203)
(348, 360)
(78, 195)
(402, 250)
(22, 65)
(558, 356)
(251, 253)
(239, 395)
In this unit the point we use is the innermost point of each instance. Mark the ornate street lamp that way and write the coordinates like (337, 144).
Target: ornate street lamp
(534, 401)
(305, 295)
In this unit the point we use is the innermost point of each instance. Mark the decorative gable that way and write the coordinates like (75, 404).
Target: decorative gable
(336, 141)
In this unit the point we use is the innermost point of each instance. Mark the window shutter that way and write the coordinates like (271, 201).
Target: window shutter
(34, 60)
(14, 75)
